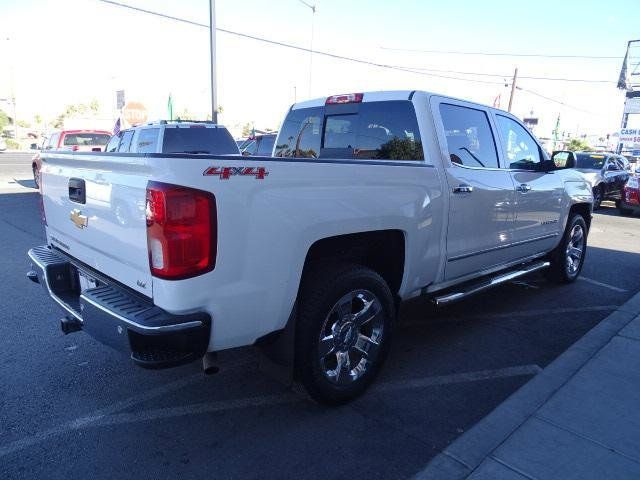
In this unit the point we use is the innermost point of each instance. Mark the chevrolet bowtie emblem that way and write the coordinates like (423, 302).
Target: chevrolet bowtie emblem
(79, 220)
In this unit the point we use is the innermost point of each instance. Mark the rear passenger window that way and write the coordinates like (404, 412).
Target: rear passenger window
(469, 138)
(378, 131)
(147, 140)
(300, 134)
(125, 143)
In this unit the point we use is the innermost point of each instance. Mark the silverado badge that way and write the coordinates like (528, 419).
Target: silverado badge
(79, 220)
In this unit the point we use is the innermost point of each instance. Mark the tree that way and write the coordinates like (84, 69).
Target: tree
(247, 129)
(578, 145)
(186, 115)
(79, 109)
(24, 124)
(4, 120)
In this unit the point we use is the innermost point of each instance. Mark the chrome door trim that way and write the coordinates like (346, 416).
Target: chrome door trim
(500, 247)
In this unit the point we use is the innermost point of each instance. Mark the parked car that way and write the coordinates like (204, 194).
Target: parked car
(370, 199)
(259, 145)
(168, 136)
(630, 202)
(606, 173)
(73, 140)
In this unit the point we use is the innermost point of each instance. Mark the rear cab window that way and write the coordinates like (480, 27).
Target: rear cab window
(386, 130)
(198, 139)
(85, 139)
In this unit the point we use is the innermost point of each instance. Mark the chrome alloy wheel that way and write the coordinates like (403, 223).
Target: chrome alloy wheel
(575, 249)
(350, 337)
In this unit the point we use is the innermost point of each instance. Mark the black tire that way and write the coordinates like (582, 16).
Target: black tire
(624, 211)
(36, 176)
(598, 196)
(323, 288)
(562, 270)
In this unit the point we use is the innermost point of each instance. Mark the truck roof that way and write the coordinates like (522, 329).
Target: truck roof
(381, 96)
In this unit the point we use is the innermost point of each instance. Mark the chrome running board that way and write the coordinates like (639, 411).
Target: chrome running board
(477, 287)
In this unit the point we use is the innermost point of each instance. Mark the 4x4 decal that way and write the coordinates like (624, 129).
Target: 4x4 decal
(225, 173)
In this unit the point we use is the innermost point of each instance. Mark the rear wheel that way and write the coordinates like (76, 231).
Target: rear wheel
(623, 210)
(344, 326)
(568, 257)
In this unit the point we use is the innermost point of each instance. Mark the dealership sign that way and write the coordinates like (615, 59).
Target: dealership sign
(632, 105)
(630, 136)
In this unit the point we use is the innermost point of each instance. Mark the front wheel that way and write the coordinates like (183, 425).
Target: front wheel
(568, 257)
(36, 176)
(597, 197)
(345, 321)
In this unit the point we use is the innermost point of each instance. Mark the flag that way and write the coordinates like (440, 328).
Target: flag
(116, 127)
(622, 79)
(170, 108)
(496, 101)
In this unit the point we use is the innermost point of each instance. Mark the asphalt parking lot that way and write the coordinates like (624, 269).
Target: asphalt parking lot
(72, 408)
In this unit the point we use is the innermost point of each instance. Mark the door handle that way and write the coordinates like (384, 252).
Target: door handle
(523, 188)
(463, 188)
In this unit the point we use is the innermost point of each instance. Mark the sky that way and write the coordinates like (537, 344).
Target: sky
(72, 51)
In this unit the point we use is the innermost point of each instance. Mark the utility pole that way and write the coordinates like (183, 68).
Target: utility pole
(214, 86)
(513, 88)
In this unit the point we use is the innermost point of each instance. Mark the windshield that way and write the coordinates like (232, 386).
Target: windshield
(213, 141)
(590, 161)
(86, 139)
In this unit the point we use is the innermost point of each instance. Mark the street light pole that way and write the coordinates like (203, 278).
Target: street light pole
(214, 86)
(313, 17)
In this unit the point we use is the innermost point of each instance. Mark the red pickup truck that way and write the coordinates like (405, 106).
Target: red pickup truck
(73, 140)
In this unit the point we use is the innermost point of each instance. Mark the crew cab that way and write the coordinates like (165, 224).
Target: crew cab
(73, 140)
(369, 199)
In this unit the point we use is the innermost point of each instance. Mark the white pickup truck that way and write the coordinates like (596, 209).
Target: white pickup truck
(369, 199)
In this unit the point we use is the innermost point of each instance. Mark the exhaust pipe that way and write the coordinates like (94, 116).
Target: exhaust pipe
(69, 325)
(33, 276)
(210, 363)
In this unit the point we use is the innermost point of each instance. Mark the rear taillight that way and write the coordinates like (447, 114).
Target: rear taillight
(181, 231)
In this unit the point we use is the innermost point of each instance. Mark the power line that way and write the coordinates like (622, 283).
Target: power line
(297, 47)
(559, 79)
(336, 56)
(500, 54)
(556, 101)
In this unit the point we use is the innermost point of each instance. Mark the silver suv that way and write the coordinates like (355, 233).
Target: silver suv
(175, 136)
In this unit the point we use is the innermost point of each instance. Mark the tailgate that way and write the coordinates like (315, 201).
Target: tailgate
(95, 211)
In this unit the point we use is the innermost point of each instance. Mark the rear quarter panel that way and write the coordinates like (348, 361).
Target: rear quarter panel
(266, 227)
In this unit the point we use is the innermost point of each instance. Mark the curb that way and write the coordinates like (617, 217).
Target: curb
(465, 454)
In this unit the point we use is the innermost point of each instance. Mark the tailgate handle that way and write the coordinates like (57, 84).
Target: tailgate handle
(77, 192)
